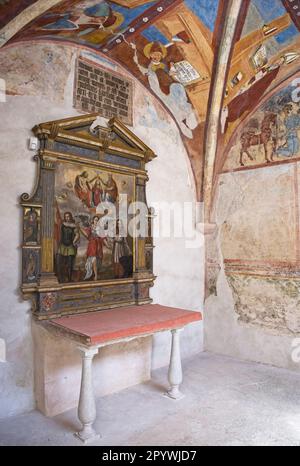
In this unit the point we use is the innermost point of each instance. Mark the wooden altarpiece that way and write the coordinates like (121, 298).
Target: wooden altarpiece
(68, 266)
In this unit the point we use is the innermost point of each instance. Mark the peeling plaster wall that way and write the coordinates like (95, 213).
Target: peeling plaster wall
(253, 308)
(253, 257)
(39, 81)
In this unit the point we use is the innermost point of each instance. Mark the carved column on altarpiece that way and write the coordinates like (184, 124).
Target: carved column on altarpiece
(140, 241)
(48, 166)
(141, 271)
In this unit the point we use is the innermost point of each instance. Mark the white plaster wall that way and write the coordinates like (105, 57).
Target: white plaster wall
(43, 75)
(242, 198)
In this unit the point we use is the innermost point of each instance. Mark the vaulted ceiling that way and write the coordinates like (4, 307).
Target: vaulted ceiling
(212, 61)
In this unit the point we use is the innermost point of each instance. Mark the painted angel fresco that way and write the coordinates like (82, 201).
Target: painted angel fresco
(163, 81)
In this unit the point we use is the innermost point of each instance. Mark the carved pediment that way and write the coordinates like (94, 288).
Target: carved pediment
(93, 132)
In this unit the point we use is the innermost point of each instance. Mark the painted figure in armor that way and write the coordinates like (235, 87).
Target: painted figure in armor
(67, 250)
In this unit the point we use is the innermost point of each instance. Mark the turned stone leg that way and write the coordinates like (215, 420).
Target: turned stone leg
(87, 405)
(175, 371)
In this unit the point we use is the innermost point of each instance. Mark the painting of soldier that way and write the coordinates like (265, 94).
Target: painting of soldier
(67, 250)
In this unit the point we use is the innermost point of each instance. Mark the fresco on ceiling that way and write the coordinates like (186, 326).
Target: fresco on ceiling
(153, 39)
(164, 79)
(267, 50)
(261, 14)
(165, 44)
(271, 135)
(168, 46)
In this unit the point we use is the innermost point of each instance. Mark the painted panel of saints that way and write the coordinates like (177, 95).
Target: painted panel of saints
(31, 233)
(91, 241)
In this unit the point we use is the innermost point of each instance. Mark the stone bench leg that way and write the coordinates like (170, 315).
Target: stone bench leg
(87, 405)
(175, 370)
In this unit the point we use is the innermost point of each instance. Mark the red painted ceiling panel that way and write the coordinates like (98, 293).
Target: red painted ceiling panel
(11, 8)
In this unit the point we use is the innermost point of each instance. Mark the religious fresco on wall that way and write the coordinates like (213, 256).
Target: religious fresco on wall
(170, 46)
(267, 51)
(85, 248)
(272, 134)
(167, 81)
(166, 44)
(142, 36)
(42, 72)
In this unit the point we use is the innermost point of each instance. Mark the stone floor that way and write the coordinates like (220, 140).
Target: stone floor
(227, 402)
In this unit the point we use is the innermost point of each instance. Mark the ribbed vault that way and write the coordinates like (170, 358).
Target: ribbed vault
(214, 61)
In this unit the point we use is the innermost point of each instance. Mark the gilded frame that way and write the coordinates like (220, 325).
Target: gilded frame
(70, 143)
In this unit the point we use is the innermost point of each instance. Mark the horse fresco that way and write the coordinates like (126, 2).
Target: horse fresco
(266, 137)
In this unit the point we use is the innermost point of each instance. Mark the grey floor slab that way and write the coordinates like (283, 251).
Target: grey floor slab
(227, 402)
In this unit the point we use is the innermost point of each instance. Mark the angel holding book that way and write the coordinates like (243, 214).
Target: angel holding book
(165, 83)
